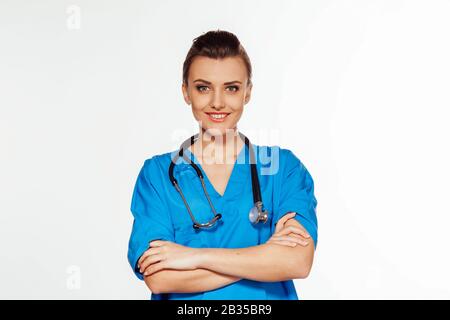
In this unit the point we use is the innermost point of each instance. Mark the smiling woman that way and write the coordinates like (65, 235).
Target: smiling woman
(236, 256)
(217, 81)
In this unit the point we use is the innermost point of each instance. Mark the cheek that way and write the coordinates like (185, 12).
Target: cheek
(199, 98)
(198, 114)
(237, 115)
(235, 100)
(237, 108)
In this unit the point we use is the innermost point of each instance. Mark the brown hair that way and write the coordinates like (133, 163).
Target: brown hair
(217, 45)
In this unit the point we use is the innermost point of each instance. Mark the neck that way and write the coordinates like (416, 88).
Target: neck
(218, 149)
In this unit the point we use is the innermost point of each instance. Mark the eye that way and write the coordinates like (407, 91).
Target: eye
(236, 88)
(200, 88)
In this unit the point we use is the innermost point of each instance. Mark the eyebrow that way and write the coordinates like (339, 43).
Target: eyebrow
(225, 83)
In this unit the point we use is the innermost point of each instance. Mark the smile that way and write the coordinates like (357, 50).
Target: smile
(217, 116)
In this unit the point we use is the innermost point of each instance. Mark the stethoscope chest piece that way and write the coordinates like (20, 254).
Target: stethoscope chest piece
(257, 214)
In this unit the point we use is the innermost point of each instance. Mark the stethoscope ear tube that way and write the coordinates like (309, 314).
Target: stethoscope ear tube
(180, 153)
(256, 189)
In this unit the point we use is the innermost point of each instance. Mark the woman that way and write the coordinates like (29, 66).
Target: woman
(233, 258)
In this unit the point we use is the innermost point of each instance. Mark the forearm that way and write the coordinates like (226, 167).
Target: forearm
(187, 281)
(266, 262)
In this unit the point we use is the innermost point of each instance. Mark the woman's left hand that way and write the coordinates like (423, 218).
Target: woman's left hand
(168, 255)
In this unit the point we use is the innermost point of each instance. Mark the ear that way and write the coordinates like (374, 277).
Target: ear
(248, 93)
(185, 93)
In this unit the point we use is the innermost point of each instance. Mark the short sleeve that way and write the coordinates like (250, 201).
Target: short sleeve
(151, 217)
(297, 194)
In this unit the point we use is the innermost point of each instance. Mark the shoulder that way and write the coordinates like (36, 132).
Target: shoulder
(159, 160)
(155, 167)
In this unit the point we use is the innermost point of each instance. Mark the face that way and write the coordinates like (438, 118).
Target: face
(217, 91)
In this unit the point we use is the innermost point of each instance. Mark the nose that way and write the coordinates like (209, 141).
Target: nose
(217, 100)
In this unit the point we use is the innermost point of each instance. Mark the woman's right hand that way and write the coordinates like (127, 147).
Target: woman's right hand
(290, 235)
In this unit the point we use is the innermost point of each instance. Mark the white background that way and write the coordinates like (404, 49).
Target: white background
(358, 90)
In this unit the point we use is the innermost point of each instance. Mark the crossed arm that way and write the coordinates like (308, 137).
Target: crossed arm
(174, 268)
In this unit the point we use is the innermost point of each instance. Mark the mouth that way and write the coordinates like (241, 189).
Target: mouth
(217, 116)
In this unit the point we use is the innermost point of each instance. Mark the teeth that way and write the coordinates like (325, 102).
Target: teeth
(218, 116)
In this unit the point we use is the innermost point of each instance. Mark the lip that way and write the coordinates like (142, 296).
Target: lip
(217, 113)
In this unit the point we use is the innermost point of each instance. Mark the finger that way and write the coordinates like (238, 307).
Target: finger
(282, 220)
(297, 240)
(294, 235)
(277, 241)
(285, 243)
(292, 239)
(154, 268)
(291, 235)
(145, 255)
(295, 230)
(148, 253)
(300, 230)
(280, 223)
(286, 217)
(155, 258)
(156, 243)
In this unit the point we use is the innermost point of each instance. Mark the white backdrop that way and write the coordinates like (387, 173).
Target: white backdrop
(359, 90)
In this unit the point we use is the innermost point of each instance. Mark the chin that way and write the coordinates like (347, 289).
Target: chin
(217, 130)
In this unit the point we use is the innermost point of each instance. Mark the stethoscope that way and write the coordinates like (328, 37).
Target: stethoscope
(256, 214)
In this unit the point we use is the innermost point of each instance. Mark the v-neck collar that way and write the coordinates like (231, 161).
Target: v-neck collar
(238, 178)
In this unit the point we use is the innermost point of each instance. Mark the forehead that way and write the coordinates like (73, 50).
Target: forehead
(218, 70)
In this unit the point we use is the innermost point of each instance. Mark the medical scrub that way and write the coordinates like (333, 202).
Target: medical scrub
(159, 213)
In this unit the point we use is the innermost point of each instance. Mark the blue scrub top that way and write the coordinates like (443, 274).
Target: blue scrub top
(159, 213)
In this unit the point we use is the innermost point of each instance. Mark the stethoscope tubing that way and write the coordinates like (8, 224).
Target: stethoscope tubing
(256, 189)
